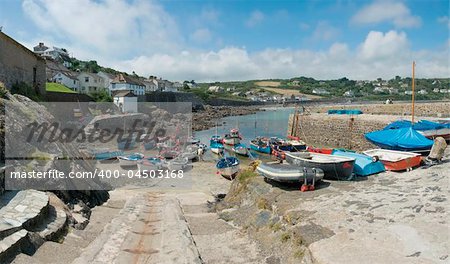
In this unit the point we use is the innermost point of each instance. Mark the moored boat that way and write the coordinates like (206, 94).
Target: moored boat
(228, 167)
(290, 173)
(260, 144)
(130, 160)
(427, 128)
(296, 143)
(150, 164)
(279, 144)
(364, 164)
(334, 167)
(402, 139)
(232, 138)
(190, 152)
(320, 150)
(240, 149)
(395, 160)
(178, 163)
(107, 155)
(215, 144)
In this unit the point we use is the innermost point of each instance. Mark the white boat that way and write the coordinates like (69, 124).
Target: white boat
(289, 173)
(232, 138)
(178, 163)
(228, 167)
(191, 152)
(130, 160)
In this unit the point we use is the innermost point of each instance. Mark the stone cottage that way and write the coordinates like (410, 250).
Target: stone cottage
(19, 64)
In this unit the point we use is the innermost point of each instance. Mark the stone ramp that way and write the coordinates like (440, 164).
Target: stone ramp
(216, 240)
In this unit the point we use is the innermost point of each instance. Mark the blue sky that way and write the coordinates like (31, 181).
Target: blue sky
(235, 40)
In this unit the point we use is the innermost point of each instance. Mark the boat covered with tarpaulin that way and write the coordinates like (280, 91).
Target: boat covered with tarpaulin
(402, 139)
(344, 112)
(427, 128)
(364, 165)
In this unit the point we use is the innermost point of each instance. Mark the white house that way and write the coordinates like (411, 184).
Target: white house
(167, 86)
(408, 92)
(67, 79)
(422, 91)
(151, 85)
(126, 101)
(436, 90)
(108, 78)
(215, 89)
(177, 85)
(90, 82)
(127, 83)
(349, 93)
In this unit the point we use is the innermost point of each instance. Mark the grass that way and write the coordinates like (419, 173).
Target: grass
(56, 87)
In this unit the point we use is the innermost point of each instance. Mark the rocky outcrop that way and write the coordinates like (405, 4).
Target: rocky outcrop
(207, 119)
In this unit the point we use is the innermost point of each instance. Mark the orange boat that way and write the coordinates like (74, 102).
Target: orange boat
(395, 160)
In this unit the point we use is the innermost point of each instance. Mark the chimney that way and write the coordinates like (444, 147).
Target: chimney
(41, 44)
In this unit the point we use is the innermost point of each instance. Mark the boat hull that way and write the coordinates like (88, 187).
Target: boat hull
(231, 141)
(333, 169)
(216, 150)
(261, 149)
(289, 173)
(396, 160)
(229, 172)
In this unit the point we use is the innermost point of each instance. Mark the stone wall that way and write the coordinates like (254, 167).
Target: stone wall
(68, 97)
(337, 131)
(197, 103)
(19, 64)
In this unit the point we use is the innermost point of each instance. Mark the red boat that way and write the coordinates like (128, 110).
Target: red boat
(395, 160)
(320, 150)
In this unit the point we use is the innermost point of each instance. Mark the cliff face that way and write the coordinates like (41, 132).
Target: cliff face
(42, 156)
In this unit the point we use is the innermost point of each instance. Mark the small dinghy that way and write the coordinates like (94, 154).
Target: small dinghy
(150, 164)
(279, 144)
(130, 160)
(240, 149)
(260, 144)
(364, 165)
(296, 144)
(289, 173)
(395, 160)
(232, 138)
(334, 167)
(320, 150)
(178, 163)
(228, 167)
(190, 152)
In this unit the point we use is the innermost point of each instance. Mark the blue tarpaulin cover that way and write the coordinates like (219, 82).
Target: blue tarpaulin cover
(421, 125)
(364, 164)
(403, 139)
(345, 112)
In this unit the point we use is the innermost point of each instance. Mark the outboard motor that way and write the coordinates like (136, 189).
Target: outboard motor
(437, 151)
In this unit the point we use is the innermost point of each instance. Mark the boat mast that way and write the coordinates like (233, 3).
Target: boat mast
(412, 85)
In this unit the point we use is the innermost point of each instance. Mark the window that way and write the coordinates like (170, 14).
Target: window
(86, 79)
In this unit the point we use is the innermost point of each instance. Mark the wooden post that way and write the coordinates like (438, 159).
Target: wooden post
(413, 83)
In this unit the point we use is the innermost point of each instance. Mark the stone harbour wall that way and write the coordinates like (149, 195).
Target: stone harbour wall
(337, 131)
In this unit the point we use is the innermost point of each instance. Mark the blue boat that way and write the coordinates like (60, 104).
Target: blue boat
(429, 129)
(402, 139)
(240, 149)
(261, 144)
(107, 155)
(344, 112)
(364, 165)
(215, 144)
(228, 167)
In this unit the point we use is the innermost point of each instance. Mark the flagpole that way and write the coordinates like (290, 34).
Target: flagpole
(413, 84)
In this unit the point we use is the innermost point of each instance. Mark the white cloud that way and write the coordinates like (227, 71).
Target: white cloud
(256, 17)
(201, 35)
(444, 20)
(304, 26)
(107, 28)
(324, 31)
(379, 55)
(379, 11)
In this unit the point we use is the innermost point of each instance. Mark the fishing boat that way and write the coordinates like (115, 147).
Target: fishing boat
(260, 144)
(130, 160)
(364, 165)
(232, 138)
(279, 144)
(401, 139)
(240, 149)
(334, 167)
(192, 140)
(150, 164)
(228, 167)
(190, 152)
(178, 163)
(215, 144)
(296, 143)
(395, 160)
(289, 173)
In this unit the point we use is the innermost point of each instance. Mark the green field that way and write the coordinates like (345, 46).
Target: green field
(56, 87)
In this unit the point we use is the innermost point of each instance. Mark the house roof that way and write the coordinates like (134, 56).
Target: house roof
(69, 74)
(121, 78)
(125, 94)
